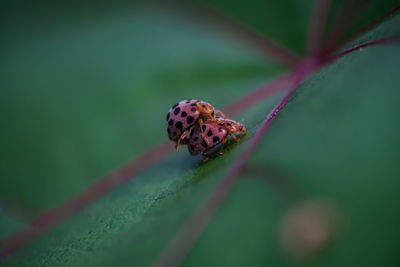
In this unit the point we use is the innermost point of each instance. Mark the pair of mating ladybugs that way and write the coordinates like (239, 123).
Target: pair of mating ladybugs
(200, 126)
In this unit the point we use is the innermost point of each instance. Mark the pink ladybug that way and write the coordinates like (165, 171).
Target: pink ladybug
(215, 132)
(184, 115)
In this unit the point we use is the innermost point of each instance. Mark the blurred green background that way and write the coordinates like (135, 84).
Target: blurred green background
(85, 87)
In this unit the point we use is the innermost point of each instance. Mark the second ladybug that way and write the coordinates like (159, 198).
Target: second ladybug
(216, 132)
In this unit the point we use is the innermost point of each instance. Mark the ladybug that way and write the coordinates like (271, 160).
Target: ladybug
(216, 132)
(184, 115)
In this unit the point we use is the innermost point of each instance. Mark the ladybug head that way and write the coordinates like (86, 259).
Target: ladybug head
(232, 125)
(240, 128)
(206, 110)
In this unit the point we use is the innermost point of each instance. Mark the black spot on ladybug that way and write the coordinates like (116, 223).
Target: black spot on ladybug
(195, 139)
(168, 116)
(190, 120)
(174, 106)
(193, 109)
(169, 132)
(204, 106)
(228, 124)
(171, 122)
(215, 139)
(203, 143)
(183, 114)
(188, 101)
(174, 133)
(220, 129)
(176, 111)
(204, 127)
(179, 125)
(194, 104)
(191, 147)
(210, 133)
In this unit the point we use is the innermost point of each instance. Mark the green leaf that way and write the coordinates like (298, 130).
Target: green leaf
(89, 93)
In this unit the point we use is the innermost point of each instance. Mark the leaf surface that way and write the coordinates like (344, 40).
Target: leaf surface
(83, 97)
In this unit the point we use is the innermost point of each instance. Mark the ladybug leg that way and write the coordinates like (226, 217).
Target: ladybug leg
(183, 136)
(235, 137)
(229, 132)
(202, 132)
(205, 154)
(222, 145)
